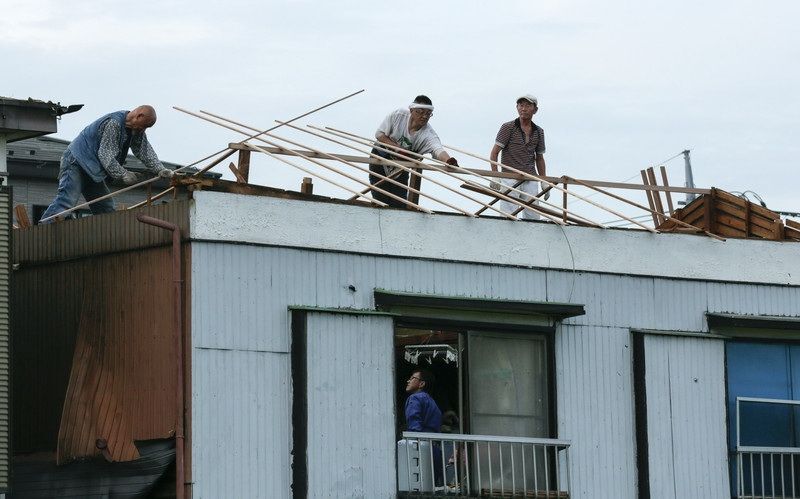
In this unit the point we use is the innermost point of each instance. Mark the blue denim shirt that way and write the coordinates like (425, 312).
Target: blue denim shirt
(422, 413)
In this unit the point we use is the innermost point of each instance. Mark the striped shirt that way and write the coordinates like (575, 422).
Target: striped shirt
(517, 153)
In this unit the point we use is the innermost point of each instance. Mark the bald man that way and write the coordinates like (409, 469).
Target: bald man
(98, 152)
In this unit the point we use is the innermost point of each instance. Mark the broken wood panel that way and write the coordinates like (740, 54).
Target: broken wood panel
(22, 216)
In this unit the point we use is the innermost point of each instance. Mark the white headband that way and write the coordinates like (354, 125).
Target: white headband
(415, 105)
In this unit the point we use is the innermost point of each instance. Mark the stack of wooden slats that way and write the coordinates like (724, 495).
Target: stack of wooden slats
(726, 215)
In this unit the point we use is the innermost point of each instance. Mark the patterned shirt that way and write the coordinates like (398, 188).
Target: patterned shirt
(109, 150)
(516, 152)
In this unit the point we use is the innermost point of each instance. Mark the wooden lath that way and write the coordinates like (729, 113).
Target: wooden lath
(472, 182)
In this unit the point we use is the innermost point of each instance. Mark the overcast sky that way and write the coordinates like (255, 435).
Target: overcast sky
(621, 85)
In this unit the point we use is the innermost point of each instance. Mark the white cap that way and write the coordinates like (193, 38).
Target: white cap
(530, 98)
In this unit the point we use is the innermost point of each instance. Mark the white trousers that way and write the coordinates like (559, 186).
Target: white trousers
(530, 187)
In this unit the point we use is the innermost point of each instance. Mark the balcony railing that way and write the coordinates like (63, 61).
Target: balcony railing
(442, 464)
(767, 472)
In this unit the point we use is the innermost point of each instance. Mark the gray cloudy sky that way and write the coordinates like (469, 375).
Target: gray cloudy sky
(622, 85)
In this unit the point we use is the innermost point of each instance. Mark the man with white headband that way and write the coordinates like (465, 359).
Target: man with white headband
(408, 129)
(522, 144)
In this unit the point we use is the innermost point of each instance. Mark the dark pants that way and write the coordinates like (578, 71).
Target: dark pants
(386, 185)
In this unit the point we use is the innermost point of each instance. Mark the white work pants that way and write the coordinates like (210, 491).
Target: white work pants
(530, 187)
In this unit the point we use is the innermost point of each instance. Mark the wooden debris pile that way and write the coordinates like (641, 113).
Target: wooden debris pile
(726, 215)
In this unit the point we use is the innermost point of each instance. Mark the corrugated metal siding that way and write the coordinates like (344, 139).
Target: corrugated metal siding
(350, 393)
(241, 294)
(595, 410)
(5, 343)
(687, 445)
(134, 291)
(241, 424)
(91, 236)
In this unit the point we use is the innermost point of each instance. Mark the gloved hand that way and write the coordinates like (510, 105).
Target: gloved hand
(130, 178)
(452, 162)
(494, 185)
(543, 186)
(166, 173)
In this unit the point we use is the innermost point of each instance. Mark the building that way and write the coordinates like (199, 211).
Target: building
(581, 362)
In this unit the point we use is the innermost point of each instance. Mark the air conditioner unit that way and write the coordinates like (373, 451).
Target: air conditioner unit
(414, 470)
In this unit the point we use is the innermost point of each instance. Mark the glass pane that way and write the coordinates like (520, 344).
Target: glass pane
(508, 396)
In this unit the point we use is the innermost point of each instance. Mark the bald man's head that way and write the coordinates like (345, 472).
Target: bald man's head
(141, 118)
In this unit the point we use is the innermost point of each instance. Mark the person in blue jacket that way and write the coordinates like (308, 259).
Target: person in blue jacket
(422, 413)
(98, 152)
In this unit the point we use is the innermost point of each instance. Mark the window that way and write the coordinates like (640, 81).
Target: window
(764, 371)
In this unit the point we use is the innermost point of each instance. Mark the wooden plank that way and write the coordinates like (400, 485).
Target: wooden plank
(237, 174)
(22, 216)
(244, 165)
(777, 230)
(756, 208)
(650, 201)
(651, 177)
(741, 213)
(791, 233)
(710, 212)
(667, 194)
(724, 230)
(793, 224)
(696, 206)
(732, 222)
(415, 182)
(485, 173)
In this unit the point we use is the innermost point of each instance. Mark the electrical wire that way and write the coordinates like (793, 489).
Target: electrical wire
(662, 162)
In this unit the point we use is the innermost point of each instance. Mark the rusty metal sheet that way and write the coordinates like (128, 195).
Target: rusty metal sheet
(97, 235)
(97, 354)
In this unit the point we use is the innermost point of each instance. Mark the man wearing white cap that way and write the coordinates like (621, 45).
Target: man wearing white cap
(406, 128)
(522, 143)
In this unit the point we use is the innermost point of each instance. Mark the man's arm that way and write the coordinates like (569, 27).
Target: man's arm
(109, 150)
(494, 155)
(541, 168)
(142, 149)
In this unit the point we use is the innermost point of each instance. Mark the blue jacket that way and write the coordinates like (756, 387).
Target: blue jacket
(422, 413)
(85, 146)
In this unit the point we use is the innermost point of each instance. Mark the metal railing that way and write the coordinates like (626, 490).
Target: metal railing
(482, 466)
(766, 472)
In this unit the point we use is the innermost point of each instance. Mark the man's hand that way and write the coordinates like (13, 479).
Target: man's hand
(166, 173)
(130, 178)
(452, 162)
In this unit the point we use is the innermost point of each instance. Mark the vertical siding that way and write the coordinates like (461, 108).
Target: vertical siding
(687, 446)
(350, 393)
(5, 343)
(595, 410)
(240, 426)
